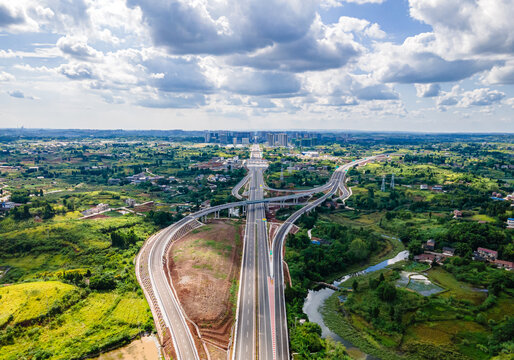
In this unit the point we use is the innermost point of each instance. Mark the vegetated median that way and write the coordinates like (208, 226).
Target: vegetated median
(205, 266)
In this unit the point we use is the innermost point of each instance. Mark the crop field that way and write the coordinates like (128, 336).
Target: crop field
(131, 311)
(97, 322)
(23, 302)
(456, 288)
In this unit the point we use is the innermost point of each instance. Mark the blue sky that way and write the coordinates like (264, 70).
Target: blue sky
(407, 65)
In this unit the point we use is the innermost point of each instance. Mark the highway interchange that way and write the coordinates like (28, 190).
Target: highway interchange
(261, 322)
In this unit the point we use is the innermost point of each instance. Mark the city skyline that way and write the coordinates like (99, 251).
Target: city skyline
(362, 65)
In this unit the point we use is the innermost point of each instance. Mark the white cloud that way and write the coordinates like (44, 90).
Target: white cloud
(20, 95)
(323, 47)
(427, 90)
(466, 99)
(500, 74)
(414, 62)
(6, 76)
(77, 47)
(246, 58)
(465, 27)
(481, 97)
(267, 83)
(364, 1)
(223, 27)
(510, 102)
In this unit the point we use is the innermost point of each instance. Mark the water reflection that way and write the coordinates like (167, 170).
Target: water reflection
(316, 299)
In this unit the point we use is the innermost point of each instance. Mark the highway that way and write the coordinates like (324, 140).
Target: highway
(235, 189)
(168, 304)
(244, 338)
(260, 312)
(337, 181)
(253, 335)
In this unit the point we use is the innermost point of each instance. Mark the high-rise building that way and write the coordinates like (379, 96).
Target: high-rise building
(223, 137)
(281, 139)
(271, 139)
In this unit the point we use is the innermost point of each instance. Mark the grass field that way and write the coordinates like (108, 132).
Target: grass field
(24, 302)
(457, 289)
(441, 323)
(97, 322)
(54, 320)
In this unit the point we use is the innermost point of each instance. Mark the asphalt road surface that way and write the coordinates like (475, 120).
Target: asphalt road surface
(261, 325)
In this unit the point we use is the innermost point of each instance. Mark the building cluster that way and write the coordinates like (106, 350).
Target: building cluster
(491, 256)
(433, 188)
(276, 139)
(228, 137)
(430, 256)
(218, 178)
(220, 164)
(95, 210)
(141, 178)
(499, 196)
(285, 138)
(7, 205)
(481, 254)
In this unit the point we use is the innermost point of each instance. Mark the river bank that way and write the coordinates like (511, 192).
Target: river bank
(316, 299)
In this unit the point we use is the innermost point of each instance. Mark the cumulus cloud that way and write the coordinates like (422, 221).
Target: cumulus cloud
(20, 95)
(500, 74)
(258, 57)
(427, 90)
(464, 27)
(177, 101)
(323, 47)
(6, 76)
(448, 98)
(465, 99)
(221, 27)
(77, 47)
(410, 62)
(333, 85)
(269, 83)
(177, 74)
(481, 97)
(77, 71)
(376, 92)
(10, 15)
(364, 1)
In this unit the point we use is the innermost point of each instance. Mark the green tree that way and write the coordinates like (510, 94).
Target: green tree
(358, 249)
(386, 291)
(355, 285)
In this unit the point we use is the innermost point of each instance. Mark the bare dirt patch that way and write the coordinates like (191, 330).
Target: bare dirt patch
(205, 268)
(140, 349)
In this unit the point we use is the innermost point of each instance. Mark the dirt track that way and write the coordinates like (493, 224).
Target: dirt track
(204, 265)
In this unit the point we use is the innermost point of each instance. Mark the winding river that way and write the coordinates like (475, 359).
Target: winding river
(316, 298)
